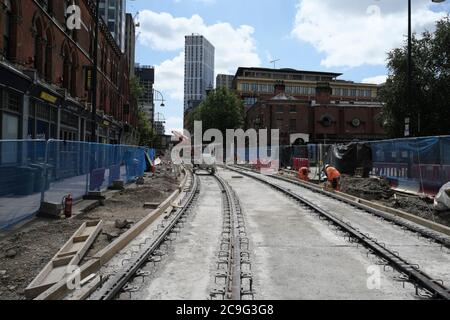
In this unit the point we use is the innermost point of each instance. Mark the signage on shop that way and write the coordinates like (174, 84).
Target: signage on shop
(48, 97)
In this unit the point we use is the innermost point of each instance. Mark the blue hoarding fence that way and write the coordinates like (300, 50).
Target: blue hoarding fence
(418, 165)
(37, 171)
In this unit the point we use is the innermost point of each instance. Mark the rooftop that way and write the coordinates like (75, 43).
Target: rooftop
(241, 70)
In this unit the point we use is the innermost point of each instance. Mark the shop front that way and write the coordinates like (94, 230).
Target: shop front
(13, 85)
(43, 113)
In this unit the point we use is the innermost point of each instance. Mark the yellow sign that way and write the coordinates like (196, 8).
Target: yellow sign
(48, 97)
(106, 123)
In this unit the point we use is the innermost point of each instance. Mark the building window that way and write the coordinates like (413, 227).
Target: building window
(38, 48)
(280, 109)
(48, 58)
(73, 77)
(66, 70)
(293, 124)
(293, 109)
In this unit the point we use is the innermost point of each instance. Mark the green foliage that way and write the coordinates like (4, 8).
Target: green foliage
(146, 133)
(221, 110)
(430, 96)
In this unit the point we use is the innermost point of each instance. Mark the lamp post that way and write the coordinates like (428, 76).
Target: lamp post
(159, 100)
(410, 61)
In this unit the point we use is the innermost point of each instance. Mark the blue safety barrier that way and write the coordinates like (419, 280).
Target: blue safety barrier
(36, 171)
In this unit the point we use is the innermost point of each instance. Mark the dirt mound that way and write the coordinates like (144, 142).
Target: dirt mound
(367, 188)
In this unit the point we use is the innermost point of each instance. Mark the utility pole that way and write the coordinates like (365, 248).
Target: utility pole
(409, 72)
(94, 74)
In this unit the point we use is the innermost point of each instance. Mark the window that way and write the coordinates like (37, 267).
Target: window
(48, 58)
(293, 109)
(73, 76)
(280, 109)
(293, 124)
(7, 20)
(67, 79)
(38, 48)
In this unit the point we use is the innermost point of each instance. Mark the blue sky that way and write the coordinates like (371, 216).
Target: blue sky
(347, 36)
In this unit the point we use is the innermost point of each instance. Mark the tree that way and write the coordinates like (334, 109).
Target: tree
(429, 111)
(221, 110)
(146, 133)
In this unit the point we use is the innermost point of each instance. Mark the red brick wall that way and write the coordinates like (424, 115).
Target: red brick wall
(28, 17)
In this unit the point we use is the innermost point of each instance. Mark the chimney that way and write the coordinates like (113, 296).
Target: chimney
(280, 87)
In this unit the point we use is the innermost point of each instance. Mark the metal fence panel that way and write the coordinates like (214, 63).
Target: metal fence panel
(21, 180)
(36, 171)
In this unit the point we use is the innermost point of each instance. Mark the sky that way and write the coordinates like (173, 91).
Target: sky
(347, 36)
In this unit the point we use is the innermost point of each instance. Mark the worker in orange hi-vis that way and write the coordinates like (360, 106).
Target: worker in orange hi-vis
(334, 177)
(303, 174)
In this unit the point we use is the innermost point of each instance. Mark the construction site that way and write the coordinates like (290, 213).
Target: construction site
(101, 222)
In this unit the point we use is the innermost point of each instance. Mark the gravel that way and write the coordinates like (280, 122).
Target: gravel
(369, 189)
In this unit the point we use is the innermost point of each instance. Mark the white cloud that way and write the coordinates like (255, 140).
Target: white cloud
(235, 46)
(376, 79)
(169, 77)
(353, 33)
(174, 124)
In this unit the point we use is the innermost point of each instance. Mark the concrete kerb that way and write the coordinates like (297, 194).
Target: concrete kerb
(60, 290)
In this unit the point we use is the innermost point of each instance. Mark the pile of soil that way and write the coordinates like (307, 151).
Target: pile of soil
(24, 252)
(366, 188)
(421, 207)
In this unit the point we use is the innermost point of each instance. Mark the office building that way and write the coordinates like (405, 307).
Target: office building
(130, 42)
(146, 76)
(113, 13)
(224, 81)
(198, 71)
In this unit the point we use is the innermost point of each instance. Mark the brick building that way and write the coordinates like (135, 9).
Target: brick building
(255, 84)
(316, 119)
(45, 75)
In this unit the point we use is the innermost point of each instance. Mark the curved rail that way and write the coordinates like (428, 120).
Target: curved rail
(112, 287)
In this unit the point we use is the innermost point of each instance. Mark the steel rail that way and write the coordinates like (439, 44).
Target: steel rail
(112, 287)
(435, 236)
(414, 274)
(233, 280)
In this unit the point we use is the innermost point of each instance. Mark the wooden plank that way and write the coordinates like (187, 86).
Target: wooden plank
(87, 290)
(60, 290)
(70, 254)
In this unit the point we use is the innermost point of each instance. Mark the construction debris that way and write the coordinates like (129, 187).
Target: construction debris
(366, 188)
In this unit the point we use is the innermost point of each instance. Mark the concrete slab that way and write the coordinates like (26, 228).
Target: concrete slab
(186, 274)
(295, 255)
(431, 257)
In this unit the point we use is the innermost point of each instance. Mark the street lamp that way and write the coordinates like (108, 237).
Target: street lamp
(162, 98)
(409, 75)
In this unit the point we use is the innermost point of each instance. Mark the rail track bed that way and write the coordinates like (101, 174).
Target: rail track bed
(199, 252)
(421, 256)
(240, 235)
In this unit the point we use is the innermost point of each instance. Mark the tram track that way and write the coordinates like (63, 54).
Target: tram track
(232, 279)
(412, 272)
(149, 250)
